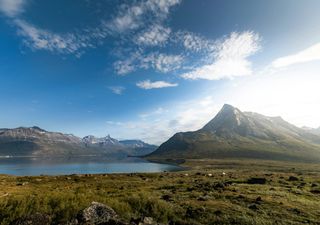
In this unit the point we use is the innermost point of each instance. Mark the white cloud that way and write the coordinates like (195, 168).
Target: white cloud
(159, 61)
(163, 62)
(231, 58)
(193, 42)
(132, 17)
(161, 6)
(147, 84)
(37, 39)
(117, 89)
(12, 8)
(123, 67)
(129, 17)
(310, 54)
(155, 35)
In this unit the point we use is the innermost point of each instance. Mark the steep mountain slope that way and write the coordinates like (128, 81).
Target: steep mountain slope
(232, 133)
(34, 141)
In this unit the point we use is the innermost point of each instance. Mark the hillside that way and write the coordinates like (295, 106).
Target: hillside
(34, 141)
(236, 134)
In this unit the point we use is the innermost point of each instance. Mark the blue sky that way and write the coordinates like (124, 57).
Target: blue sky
(147, 69)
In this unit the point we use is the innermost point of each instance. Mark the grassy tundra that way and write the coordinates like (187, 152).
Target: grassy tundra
(208, 192)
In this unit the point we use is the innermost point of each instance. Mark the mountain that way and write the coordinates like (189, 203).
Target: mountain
(125, 147)
(312, 130)
(138, 147)
(34, 141)
(236, 134)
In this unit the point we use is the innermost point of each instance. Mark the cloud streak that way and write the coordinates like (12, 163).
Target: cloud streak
(307, 55)
(118, 90)
(147, 84)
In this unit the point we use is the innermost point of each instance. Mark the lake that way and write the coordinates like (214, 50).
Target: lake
(79, 165)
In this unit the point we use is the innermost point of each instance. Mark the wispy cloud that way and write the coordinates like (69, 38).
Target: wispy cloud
(164, 63)
(158, 61)
(193, 41)
(310, 54)
(117, 89)
(147, 84)
(230, 58)
(131, 17)
(12, 8)
(155, 35)
(37, 39)
(123, 67)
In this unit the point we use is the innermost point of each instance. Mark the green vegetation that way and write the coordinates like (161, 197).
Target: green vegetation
(210, 192)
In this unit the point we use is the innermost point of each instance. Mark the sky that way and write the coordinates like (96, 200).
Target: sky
(146, 69)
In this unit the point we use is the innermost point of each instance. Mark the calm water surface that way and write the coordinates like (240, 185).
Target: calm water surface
(80, 165)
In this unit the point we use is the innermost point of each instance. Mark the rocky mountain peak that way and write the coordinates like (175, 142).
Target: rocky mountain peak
(228, 118)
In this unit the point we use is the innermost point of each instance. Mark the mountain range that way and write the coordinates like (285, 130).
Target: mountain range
(34, 141)
(236, 134)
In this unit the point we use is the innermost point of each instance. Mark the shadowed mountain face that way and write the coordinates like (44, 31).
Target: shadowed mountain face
(34, 141)
(232, 133)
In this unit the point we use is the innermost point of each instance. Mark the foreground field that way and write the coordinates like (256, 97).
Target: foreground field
(208, 192)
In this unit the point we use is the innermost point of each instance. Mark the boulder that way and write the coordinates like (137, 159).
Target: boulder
(99, 214)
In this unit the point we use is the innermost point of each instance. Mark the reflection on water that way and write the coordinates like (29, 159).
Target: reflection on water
(79, 165)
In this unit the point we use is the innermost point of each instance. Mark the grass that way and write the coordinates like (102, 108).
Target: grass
(210, 192)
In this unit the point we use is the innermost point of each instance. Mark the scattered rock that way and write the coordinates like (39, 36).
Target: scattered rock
(98, 213)
(147, 221)
(258, 199)
(293, 178)
(295, 210)
(315, 191)
(202, 198)
(241, 197)
(253, 207)
(257, 180)
(166, 197)
(219, 185)
(218, 212)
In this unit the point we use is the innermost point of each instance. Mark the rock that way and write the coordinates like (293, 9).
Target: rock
(253, 207)
(144, 221)
(257, 180)
(293, 178)
(98, 213)
(258, 200)
(35, 219)
(147, 220)
(315, 191)
(166, 197)
(219, 185)
(202, 198)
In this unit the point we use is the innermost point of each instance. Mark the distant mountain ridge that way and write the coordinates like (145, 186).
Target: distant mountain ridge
(34, 141)
(236, 134)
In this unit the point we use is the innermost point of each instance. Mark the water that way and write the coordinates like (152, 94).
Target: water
(80, 165)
